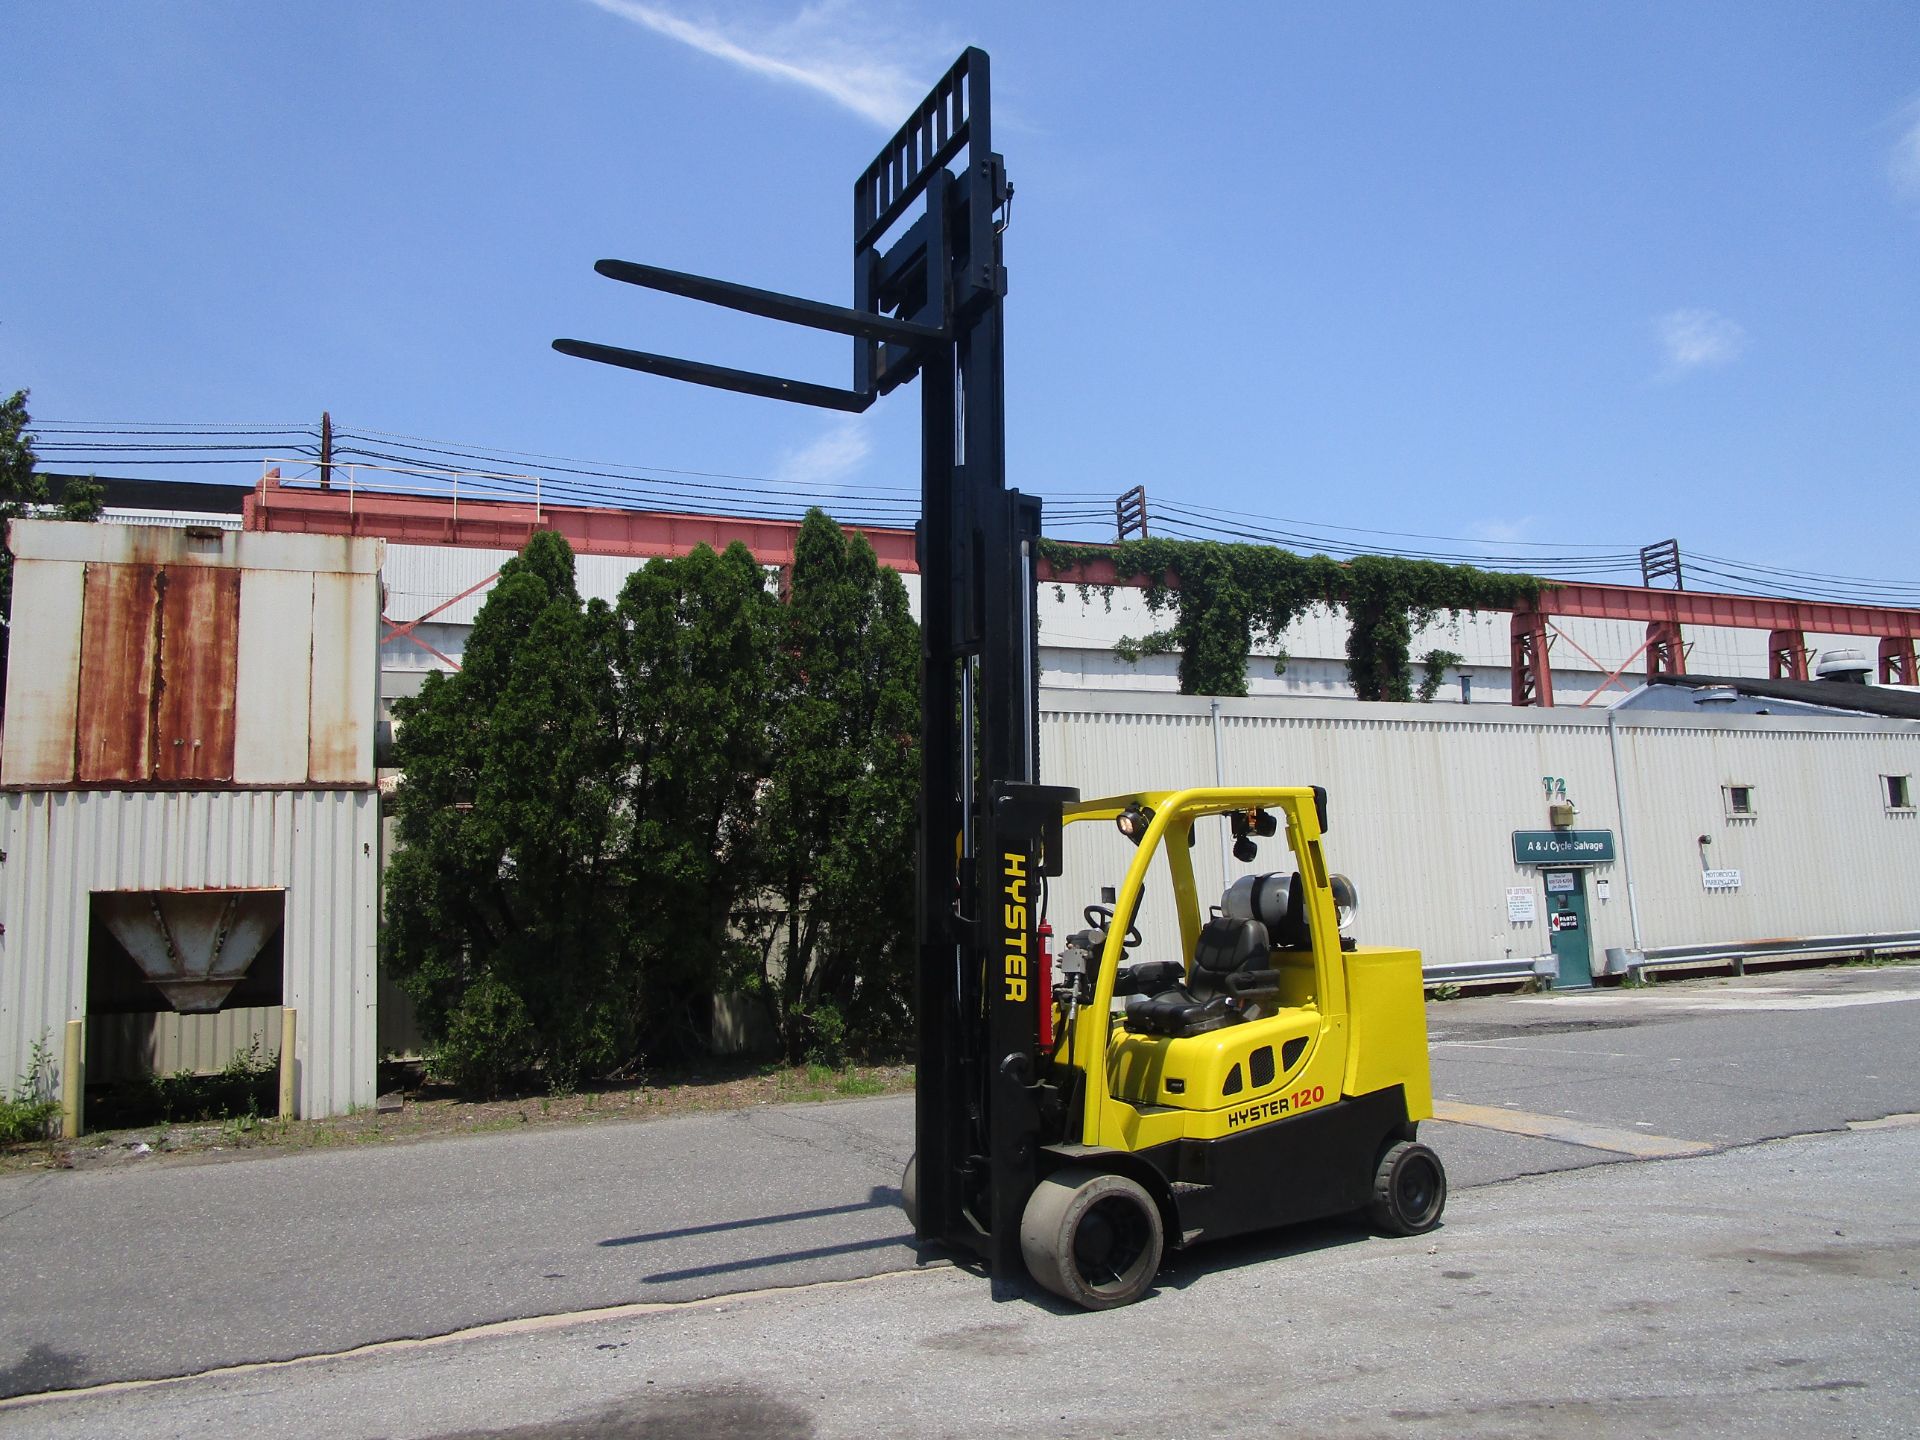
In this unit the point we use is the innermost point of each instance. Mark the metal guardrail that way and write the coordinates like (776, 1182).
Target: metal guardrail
(1513, 969)
(1635, 963)
(1509, 969)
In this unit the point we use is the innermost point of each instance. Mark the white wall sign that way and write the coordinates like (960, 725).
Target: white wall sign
(1520, 906)
(1720, 879)
(1603, 890)
(1559, 882)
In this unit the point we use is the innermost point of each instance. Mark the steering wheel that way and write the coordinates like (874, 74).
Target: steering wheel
(1101, 918)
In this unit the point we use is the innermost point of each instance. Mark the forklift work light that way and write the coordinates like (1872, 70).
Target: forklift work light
(1246, 824)
(1133, 821)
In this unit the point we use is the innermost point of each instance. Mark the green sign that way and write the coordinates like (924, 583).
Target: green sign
(1563, 847)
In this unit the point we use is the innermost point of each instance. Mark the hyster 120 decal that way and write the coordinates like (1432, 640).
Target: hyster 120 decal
(1264, 1110)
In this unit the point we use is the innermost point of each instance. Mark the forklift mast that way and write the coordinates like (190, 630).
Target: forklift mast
(929, 287)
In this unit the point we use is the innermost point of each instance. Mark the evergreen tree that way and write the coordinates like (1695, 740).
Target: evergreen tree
(610, 815)
(23, 492)
(695, 652)
(838, 817)
(504, 919)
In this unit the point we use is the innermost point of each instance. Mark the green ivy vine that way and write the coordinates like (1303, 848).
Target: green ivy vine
(1433, 672)
(1224, 598)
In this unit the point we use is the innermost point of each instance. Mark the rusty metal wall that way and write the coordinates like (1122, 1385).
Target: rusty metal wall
(320, 846)
(190, 657)
(1424, 800)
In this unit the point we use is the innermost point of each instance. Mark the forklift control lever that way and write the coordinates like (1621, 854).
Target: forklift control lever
(1100, 917)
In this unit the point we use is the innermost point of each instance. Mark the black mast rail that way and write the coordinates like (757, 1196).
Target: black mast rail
(930, 306)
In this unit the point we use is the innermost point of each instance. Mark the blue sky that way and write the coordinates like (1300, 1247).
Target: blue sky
(1553, 275)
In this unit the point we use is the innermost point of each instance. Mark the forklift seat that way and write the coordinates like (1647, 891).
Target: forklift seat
(1230, 967)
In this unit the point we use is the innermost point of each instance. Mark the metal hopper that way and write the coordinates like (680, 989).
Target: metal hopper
(195, 945)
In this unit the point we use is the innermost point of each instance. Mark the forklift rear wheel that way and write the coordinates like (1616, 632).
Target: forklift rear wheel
(910, 1190)
(1409, 1190)
(1092, 1238)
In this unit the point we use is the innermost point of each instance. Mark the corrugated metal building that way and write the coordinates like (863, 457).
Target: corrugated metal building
(448, 584)
(1802, 838)
(191, 712)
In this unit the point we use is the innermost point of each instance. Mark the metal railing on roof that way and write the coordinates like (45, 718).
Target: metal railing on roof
(430, 481)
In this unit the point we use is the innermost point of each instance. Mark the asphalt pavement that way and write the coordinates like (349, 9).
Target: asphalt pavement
(118, 1274)
(127, 1275)
(1769, 1290)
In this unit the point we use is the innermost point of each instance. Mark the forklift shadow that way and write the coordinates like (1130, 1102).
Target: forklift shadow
(881, 1197)
(1181, 1269)
(1184, 1267)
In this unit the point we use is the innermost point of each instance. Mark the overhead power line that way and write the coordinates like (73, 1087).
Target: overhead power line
(1085, 512)
(1232, 515)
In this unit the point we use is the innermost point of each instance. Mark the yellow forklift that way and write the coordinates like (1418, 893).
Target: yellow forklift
(1262, 1069)
(1277, 1074)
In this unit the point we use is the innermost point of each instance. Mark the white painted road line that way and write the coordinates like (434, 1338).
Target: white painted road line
(1568, 1132)
(1732, 997)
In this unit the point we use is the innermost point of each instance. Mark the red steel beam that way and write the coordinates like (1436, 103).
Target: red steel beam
(1897, 661)
(1666, 649)
(1531, 674)
(596, 530)
(1787, 654)
(1741, 612)
(1584, 600)
(1100, 571)
(504, 525)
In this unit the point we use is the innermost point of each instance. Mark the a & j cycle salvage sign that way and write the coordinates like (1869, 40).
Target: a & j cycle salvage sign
(1563, 847)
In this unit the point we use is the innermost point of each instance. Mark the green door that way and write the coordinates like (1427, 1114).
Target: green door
(1567, 920)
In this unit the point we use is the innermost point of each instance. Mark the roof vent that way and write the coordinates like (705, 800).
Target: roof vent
(1845, 666)
(1716, 695)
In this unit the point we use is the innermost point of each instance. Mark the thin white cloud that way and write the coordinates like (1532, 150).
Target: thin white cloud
(1698, 339)
(823, 463)
(826, 48)
(1903, 165)
(1503, 530)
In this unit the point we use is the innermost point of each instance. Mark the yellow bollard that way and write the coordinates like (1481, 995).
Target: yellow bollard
(289, 1029)
(73, 1081)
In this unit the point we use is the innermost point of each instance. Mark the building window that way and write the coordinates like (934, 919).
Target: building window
(1899, 791)
(1739, 800)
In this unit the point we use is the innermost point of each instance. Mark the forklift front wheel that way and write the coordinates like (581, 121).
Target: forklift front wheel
(1409, 1190)
(1092, 1238)
(910, 1190)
